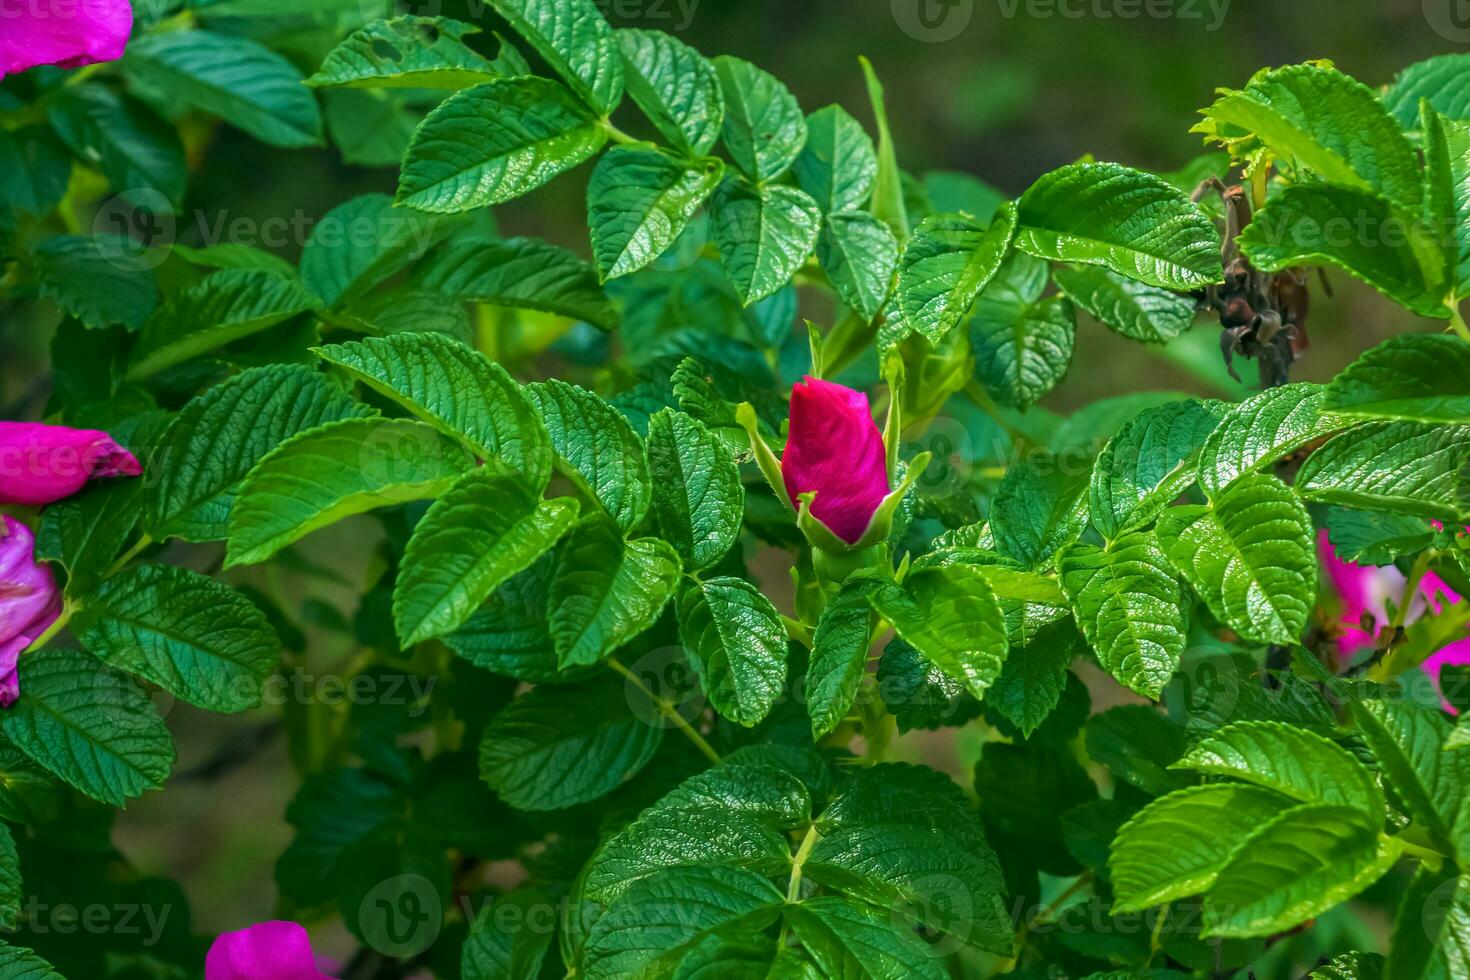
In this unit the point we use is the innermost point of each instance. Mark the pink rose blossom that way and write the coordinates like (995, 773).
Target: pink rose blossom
(68, 33)
(42, 463)
(834, 448)
(29, 602)
(266, 951)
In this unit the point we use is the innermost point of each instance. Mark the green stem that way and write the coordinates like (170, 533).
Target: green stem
(670, 712)
(618, 136)
(127, 556)
(1457, 320)
(68, 609)
(1411, 589)
(1432, 859)
(1155, 942)
(793, 890)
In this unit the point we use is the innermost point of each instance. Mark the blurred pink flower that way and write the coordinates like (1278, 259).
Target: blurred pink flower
(29, 602)
(42, 463)
(266, 951)
(68, 33)
(834, 448)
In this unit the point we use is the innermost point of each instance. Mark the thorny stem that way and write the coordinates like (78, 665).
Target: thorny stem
(670, 712)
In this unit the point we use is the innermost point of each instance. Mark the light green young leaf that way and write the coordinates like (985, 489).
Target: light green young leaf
(765, 234)
(737, 644)
(362, 242)
(1403, 467)
(675, 86)
(1293, 761)
(1447, 197)
(1412, 377)
(1148, 464)
(838, 165)
(1131, 222)
(1351, 966)
(1407, 740)
(575, 40)
(950, 615)
(638, 203)
(347, 467)
(859, 254)
(496, 141)
(697, 494)
(946, 264)
(1134, 309)
(888, 204)
(764, 129)
(100, 281)
(1260, 431)
(406, 52)
(485, 529)
(1443, 80)
(1022, 343)
(598, 445)
(1250, 556)
(526, 274)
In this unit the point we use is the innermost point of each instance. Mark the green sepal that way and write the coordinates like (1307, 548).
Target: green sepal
(770, 466)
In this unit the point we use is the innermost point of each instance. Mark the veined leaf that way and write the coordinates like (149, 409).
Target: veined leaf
(1129, 606)
(839, 657)
(764, 129)
(607, 590)
(485, 529)
(1293, 761)
(322, 475)
(1131, 222)
(243, 82)
(675, 86)
(859, 254)
(639, 201)
(88, 725)
(1442, 80)
(1447, 203)
(85, 532)
(227, 306)
(1134, 309)
(839, 164)
(1040, 507)
(1366, 537)
(19, 963)
(1405, 467)
(134, 148)
(362, 242)
(848, 938)
(1147, 465)
(100, 281)
(598, 445)
(1412, 377)
(1261, 430)
(575, 40)
(1250, 556)
(523, 273)
(509, 633)
(194, 637)
(697, 494)
(950, 615)
(500, 946)
(210, 445)
(945, 265)
(406, 52)
(495, 142)
(1022, 343)
(737, 644)
(1407, 740)
(459, 391)
(1044, 641)
(1351, 966)
(765, 234)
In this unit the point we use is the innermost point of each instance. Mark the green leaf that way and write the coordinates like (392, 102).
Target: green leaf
(919, 694)
(1352, 966)
(509, 633)
(1147, 465)
(1405, 467)
(1431, 936)
(1036, 673)
(485, 529)
(639, 202)
(1318, 119)
(950, 615)
(406, 52)
(1039, 508)
(1356, 231)
(132, 146)
(846, 938)
(1022, 342)
(362, 242)
(1447, 197)
(1368, 538)
(1133, 309)
(503, 944)
(100, 281)
(1131, 222)
(1292, 761)
(560, 746)
(1297, 866)
(1261, 430)
(322, 475)
(675, 86)
(194, 637)
(1250, 555)
(457, 390)
(1442, 80)
(243, 82)
(736, 642)
(1407, 740)
(946, 264)
(578, 44)
(838, 165)
(1129, 606)
(765, 234)
(37, 171)
(371, 127)
(697, 494)
(607, 590)
(764, 129)
(494, 142)
(859, 254)
(839, 656)
(598, 445)
(1412, 377)
(1138, 745)
(210, 445)
(11, 888)
(88, 725)
(523, 273)
(1160, 856)
(85, 532)
(18, 963)
(409, 311)
(227, 306)
(650, 927)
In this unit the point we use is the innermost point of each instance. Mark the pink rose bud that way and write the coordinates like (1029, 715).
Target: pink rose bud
(834, 448)
(277, 950)
(68, 33)
(40, 463)
(29, 602)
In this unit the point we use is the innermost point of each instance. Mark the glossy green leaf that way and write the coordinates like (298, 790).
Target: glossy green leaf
(19, 963)
(503, 942)
(765, 234)
(1441, 79)
(1447, 195)
(1292, 761)
(859, 254)
(764, 129)
(575, 40)
(363, 241)
(84, 533)
(839, 657)
(848, 938)
(950, 615)
(1261, 430)
(1148, 464)
(736, 642)
(100, 281)
(1404, 467)
(1133, 309)
(1039, 508)
(1413, 377)
(639, 201)
(1407, 740)
(509, 634)
(596, 443)
(523, 273)
(1022, 343)
(1044, 641)
(406, 52)
(945, 265)
(675, 86)
(697, 494)
(839, 164)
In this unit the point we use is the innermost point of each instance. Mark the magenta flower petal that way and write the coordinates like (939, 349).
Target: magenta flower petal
(834, 448)
(68, 33)
(274, 950)
(42, 463)
(29, 602)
